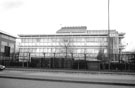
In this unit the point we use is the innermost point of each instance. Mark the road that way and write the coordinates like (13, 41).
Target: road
(30, 79)
(20, 83)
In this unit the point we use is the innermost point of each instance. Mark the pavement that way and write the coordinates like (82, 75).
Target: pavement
(87, 77)
(72, 71)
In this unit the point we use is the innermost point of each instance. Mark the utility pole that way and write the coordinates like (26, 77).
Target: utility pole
(109, 34)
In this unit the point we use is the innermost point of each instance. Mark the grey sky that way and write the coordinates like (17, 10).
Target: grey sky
(47, 16)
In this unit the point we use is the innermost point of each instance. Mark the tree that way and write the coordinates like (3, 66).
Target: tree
(101, 55)
(66, 49)
(66, 45)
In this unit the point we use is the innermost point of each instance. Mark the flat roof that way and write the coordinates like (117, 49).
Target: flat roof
(74, 29)
(43, 35)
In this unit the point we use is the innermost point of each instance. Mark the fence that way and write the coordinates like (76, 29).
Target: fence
(68, 62)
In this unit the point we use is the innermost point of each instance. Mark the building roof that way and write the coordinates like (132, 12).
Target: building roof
(83, 30)
(45, 35)
(5, 33)
(100, 31)
(75, 29)
(91, 33)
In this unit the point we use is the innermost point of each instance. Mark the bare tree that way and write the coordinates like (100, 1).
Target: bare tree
(101, 55)
(66, 45)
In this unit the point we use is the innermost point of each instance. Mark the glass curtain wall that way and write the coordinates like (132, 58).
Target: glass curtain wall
(37, 46)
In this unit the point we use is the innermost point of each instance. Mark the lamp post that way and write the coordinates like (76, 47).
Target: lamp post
(44, 62)
(109, 34)
(85, 57)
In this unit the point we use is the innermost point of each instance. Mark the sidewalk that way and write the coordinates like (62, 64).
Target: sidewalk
(106, 79)
(71, 71)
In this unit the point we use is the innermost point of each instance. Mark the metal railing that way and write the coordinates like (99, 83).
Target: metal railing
(69, 62)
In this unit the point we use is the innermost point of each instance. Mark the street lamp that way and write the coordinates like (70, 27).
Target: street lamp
(109, 33)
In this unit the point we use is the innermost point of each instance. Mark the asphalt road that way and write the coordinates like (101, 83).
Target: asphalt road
(28, 79)
(20, 83)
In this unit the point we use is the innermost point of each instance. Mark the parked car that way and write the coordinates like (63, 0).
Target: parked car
(2, 67)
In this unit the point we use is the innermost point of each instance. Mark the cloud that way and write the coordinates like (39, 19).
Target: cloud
(12, 4)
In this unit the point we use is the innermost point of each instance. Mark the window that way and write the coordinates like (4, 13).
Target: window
(57, 44)
(33, 40)
(3, 43)
(48, 50)
(11, 45)
(26, 40)
(2, 48)
(41, 50)
(41, 40)
(4, 36)
(34, 44)
(22, 40)
(44, 50)
(49, 40)
(38, 40)
(45, 40)
(30, 40)
(53, 50)
(21, 49)
(35, 49)
(49, 44)
(38, 44)
(54, 44)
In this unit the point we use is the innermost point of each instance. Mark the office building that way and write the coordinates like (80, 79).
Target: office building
(71, 42)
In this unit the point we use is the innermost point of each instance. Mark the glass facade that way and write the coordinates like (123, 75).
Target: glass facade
(61, 45)
(53, 42)
(71, 41)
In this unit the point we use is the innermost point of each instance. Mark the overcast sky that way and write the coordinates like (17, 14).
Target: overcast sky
(47, 16)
